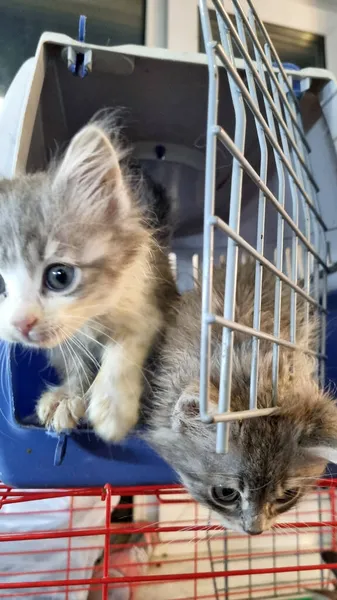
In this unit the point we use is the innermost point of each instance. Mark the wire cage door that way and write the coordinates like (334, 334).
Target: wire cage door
(263, 97)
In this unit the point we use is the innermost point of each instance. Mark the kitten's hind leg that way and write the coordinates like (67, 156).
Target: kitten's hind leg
(60, 409)
(115, 394)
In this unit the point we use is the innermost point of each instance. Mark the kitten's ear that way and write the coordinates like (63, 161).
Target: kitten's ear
(186, 411)
(90, 169)
(319, 429)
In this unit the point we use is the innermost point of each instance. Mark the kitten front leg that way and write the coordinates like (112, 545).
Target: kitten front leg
(116, 391)
(61, 408)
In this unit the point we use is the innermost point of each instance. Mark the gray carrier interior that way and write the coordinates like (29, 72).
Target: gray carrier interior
(163, 98)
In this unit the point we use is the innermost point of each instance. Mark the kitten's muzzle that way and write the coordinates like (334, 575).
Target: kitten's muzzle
(31, 332)
(25, 326)
(254, 531)
(254, 524)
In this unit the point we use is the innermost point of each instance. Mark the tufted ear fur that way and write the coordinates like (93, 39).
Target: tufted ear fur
(186, 411)
(318, 421)
(90, 171)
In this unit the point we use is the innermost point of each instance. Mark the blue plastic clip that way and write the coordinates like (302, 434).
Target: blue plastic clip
(61, 445)
(79, 66)
(82, 24)
(60, 450)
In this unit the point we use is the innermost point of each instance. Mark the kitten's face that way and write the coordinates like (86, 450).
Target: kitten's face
(63, 244)
(264, 475)
(50, 284)
(271, 463)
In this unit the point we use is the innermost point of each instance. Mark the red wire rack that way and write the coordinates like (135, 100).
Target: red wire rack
(62, 545)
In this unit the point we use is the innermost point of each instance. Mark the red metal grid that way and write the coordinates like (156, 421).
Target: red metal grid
(203, 560)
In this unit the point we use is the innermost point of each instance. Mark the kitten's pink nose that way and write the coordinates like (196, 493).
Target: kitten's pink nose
(25, 325)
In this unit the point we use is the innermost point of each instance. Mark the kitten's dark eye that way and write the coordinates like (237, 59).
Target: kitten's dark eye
(59, 278)
(2, 286)
(224, 496)
(288, 495)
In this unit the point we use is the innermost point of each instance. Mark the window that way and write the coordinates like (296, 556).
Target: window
(301, 48)
(110, 22)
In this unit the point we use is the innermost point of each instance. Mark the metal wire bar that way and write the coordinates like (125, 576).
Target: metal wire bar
(226, 566)
(294, 196)
(291, 111)
(316, 241)
(307, 221)
(316, 285)
(307, 218)
(258, 80)
(320, 533)
(224, 59)
(212, 562)
(245, 414)
(298, 553)
(230, 145)
(323, 329)
(276, 57)
(280, 228)
(250, 566)
(261, 219)
(294, 242)
(281, 128)
(261, 334)
(274, 564)
(208, 238)
(232, 250)
(251, 250)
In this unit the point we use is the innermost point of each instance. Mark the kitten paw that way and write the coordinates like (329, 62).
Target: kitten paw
(58, 411)
(112, 420)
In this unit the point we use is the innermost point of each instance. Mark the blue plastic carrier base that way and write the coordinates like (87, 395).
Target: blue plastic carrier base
(331, 339)
(32, 458)
(331, 352)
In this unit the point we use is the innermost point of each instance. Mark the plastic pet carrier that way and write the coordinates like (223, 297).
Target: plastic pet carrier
(235, 138)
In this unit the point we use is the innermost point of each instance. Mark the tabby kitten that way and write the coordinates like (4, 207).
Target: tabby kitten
(272, 461)
(82, 275)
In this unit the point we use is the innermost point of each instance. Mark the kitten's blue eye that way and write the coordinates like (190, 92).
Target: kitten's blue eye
(59, 277)
(2, 286)
(223, 496)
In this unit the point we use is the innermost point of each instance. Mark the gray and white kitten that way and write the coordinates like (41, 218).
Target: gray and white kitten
(82, 274)
(272, 461)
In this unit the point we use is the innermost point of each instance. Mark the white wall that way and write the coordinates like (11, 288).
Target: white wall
(181, 17)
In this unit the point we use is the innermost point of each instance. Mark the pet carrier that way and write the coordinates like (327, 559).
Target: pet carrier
(261, 196)
(181, 553)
